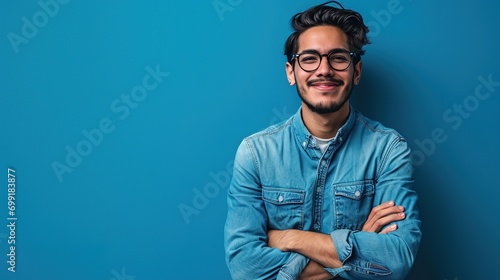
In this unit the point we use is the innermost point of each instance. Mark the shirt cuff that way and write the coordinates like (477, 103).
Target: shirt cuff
(293, 268)
(341, 242)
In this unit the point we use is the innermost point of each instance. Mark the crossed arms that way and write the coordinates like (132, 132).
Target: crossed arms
(319, 247)
(255, 250)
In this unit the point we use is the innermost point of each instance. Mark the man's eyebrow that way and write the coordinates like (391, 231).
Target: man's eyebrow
(316, 51)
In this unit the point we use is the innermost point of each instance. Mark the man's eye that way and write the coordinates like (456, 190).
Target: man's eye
(338, 58)
(309, 59)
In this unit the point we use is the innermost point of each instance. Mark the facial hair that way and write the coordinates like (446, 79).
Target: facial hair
(321, 108)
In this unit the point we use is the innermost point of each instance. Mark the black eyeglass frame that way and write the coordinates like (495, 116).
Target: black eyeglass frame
(354, 57)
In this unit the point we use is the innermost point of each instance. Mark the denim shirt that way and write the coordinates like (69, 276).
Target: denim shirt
(282, 180)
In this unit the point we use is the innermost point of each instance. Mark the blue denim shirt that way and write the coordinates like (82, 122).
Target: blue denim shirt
(282, 180)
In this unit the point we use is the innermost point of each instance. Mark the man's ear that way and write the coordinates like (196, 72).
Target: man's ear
(290, 74)
(358, 69)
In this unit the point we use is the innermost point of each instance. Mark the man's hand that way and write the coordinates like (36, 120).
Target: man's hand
(379, 217)
(319, 247)
(383, 215)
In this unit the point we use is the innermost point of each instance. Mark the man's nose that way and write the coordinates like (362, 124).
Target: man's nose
(324, 68)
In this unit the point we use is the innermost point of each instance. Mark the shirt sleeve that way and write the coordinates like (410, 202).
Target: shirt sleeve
(369, 255)
(245, 235)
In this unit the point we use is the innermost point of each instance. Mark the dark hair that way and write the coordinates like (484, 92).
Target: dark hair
(349, 21)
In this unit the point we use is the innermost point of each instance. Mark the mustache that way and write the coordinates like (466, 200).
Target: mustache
(330, 80)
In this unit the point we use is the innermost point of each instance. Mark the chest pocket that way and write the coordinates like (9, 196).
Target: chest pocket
(353, 203)
(285, 207)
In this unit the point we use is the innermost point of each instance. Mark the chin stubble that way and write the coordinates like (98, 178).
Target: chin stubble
(320, 108)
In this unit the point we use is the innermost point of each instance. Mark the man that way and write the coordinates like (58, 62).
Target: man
(327, 193)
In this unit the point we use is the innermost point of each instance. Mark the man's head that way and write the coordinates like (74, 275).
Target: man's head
(324, 56)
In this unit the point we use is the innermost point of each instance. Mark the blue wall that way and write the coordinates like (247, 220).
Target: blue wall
(121, 120)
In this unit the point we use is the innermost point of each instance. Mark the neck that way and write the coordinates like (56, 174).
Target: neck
(325, 126)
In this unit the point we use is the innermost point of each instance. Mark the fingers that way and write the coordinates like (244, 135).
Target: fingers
(382, 207)
(388, 229)
(383, 215)
(386, 218)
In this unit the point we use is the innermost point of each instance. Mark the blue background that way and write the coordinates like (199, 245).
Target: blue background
(117, 214)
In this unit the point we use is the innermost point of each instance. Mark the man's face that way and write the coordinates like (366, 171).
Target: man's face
(324, 90)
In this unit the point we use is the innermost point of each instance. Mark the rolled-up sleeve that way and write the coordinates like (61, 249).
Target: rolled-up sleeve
(245, 236)
(369, 255)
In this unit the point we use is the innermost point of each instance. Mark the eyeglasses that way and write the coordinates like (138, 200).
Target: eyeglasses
(338, 59)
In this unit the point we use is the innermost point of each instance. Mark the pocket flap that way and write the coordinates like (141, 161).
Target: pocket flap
(356, 190)
(283, 196)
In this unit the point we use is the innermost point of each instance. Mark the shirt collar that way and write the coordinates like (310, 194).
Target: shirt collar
(305, 138)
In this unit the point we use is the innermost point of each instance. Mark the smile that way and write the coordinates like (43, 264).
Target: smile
(325, 86)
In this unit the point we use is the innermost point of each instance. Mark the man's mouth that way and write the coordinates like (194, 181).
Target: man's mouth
(325, 85)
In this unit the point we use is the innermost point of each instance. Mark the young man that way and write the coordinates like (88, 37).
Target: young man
(327, 193)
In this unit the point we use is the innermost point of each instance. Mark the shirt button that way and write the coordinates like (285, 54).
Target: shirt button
(357, 193)
(280, 198)
(304, 144)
